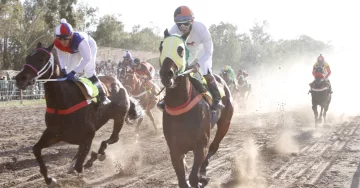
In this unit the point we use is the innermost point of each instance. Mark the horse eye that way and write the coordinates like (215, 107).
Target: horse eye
(180, 51)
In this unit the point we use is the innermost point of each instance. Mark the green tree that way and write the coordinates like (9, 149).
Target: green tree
(110, 31)
(57, 9)
(226, 44)
(86, 17)
(144, 39)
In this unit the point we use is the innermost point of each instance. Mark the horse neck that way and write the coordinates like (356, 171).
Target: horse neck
(241, 81)
(61, 94)
(135, 85)
(180, 94)
(318, 83)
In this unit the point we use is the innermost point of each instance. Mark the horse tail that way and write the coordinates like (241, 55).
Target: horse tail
(135, 111)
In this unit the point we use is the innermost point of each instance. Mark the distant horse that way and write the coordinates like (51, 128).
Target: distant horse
(320, 94)
(244, 89)
(187, 116)
(141, 91)
(70, 117)
(230, 83)
(121, 72)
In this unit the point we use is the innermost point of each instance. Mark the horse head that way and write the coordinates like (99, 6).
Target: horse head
(172, 58)
(241, 80)
(224, 74)
(131, 81)
(39, 64)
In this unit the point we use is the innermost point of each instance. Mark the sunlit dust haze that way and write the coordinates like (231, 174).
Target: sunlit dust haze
(247, 170)
(284, 86)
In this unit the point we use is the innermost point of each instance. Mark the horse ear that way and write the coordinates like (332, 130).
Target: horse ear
(49, 49)
(166, 33)
(39, 45)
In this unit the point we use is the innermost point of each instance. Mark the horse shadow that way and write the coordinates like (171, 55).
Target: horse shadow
(28, 163)
(356, 178)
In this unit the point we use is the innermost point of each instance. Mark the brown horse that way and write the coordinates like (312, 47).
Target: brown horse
(233, 88)
(187, 116)
(244, 90)
(139, 91)
(69, 116)
(320, 96)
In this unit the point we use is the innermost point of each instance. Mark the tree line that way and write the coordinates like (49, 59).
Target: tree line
(24, 23)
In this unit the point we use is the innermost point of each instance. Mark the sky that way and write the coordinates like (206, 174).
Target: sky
(326, 20)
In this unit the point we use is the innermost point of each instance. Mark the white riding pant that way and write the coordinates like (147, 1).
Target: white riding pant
(74, 59)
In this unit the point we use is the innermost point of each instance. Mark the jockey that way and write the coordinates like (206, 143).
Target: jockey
(127, 59)
(200, 47)
(231, 74)
(327, 71)
(125, 65)
(145, 71)
(77, 52)
(242, 72)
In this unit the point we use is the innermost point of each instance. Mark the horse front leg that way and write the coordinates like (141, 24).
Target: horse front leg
(148, 112)
(118, 124)
(137, 129)
(325, 111)
(314, 108)
(177, 160)
(199, 157)
(321, 114)
(248, 93)
(73, 162)
(47, 139)
(84, 149)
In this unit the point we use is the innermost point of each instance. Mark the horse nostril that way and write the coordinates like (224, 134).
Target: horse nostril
(171, 74)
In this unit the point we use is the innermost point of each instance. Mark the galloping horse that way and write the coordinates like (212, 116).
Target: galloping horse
(141, 92)
(244, 89)
(187, 117)
(320, 94)
(224, 75)
(70, 117)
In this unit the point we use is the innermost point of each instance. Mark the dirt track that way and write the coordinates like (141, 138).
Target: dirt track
(278, 149)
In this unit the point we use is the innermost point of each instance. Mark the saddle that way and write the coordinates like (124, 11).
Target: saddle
(89, 90)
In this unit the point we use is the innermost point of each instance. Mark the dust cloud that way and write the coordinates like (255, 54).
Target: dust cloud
(247, 172)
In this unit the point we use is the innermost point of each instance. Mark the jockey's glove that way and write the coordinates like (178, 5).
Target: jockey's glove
(64, 71)
(71, 76)
(195, 67)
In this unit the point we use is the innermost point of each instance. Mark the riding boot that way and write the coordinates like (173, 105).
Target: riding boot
(161, 104)
(213, 88)
(311, 85)
(103, 100)
(330, 88)
(197, 85)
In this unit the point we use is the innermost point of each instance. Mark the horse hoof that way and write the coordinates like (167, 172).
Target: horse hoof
(71, 170)
(204, 181)
(88, 165)
(101, 157)
(52, 184)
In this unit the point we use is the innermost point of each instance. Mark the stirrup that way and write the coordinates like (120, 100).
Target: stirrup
(218, 106)
(104, 101)
(161, 105)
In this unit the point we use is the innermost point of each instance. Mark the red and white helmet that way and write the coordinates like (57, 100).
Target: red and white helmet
(183, 14)
(64, 29)
(320, 59)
